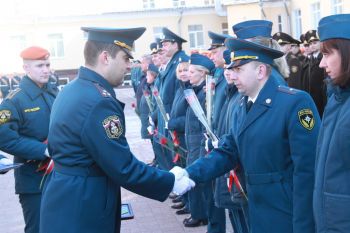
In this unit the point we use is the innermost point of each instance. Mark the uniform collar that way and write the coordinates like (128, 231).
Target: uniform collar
(30, 87)
(90, 75)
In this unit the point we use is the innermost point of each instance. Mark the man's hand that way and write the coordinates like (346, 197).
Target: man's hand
(179, 172)
(183, 185)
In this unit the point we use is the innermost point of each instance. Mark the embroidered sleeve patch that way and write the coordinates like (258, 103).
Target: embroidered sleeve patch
(306, 118)
(112, 126)
(5, 116)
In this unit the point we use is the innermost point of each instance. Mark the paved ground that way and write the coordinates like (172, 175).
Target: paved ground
(150, 216)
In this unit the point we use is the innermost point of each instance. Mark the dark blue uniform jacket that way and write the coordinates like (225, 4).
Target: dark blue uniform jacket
(92, 161)
(332, 190)
(24, 126)
(275, 143)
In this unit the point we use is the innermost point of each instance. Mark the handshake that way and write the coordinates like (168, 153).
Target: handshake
(182, 182)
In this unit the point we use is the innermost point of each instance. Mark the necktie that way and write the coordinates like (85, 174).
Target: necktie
(249, 105)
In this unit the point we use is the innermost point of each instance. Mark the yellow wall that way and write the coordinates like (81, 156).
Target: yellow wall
(36, 33)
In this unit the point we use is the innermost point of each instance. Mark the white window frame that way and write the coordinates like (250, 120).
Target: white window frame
(148, 4)
(297, 23)
(336, 7)
(179, 3)
(196, 34)
(55, 44)
(315, 14)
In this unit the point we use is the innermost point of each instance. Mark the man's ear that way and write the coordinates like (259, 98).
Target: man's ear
(103, 58)
(262, 71)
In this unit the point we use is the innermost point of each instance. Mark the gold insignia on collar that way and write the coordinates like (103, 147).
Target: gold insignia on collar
(122, 44)
(306, 118)
(5, 116)
(112, 126)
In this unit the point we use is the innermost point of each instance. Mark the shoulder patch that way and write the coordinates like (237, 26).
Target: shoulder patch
(112, 126)
(102, 91)
(306, 118)
(5, 116)
(287, 90)
(13, 93)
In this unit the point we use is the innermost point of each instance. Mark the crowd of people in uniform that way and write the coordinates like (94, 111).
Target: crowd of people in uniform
(257, 126)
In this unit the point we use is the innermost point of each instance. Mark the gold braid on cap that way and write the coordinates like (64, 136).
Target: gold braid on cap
(122, 44)
(244, 57)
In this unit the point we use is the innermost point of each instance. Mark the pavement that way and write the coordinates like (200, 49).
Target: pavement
(150, 216)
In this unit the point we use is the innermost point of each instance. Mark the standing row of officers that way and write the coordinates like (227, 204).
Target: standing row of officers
(167, 72)
(264, 153)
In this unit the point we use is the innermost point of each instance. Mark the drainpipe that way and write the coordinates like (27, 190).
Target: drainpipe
(288, 16)
(262, 9)
(181, 10)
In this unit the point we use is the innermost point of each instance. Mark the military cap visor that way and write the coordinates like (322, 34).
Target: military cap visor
(217, 40)
(334, 27)
(245, 51)
(171, 36)
(122, 37)
(283, 38)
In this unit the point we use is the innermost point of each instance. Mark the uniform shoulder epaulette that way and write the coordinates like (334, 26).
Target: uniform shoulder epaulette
(102, 91)
(13, 93)
(287, 90)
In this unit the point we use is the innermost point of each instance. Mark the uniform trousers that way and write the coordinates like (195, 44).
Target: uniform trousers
(30, 203)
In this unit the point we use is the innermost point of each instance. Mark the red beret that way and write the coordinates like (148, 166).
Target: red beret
(35, 53)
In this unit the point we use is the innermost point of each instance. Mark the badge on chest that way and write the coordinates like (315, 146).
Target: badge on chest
(112, 126)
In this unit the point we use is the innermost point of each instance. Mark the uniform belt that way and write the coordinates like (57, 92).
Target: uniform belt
(93, 170)
(267, 178)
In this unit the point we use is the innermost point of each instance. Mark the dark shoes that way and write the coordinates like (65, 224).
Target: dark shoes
(190, 222)
(178, 206)
(177, 199)
(183, 211)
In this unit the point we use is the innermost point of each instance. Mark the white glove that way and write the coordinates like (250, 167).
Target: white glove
(215, 143)
(166, 125)
(5, 161)
(179, 172)
(150, 130)
(183, 185)
(150, 121)
(47, 153)
(206, 144)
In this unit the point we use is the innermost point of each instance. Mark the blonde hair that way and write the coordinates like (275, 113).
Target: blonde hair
(280, 63)
(181, 65)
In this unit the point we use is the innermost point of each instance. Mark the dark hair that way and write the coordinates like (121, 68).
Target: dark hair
(93, 48)
(343, 47)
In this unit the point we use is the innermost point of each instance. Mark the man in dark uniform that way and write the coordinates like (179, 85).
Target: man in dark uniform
(275, 141)
(9, 83)
(167, 85)
(286, 42)
(316, 75)
(216, 216)
(88, 145)
(25, 116)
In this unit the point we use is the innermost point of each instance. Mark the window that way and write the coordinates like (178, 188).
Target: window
(297, 27)
(224, 28)
(209, 2)
(148, 4)
(337, 6)
(195, 34)
(179, 3)
(157, 32)
(315, 14)
(279, 23)
(56, 45)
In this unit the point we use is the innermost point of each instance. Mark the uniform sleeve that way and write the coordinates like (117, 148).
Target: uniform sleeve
(14, 143)
(103, 136)
(217, 163)
(303, 130)
(177, 124)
